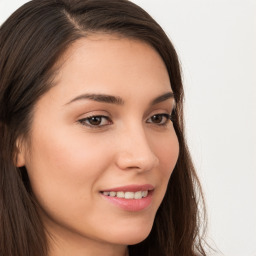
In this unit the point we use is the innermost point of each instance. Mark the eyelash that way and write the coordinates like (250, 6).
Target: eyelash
(167, 117)
(86, 121)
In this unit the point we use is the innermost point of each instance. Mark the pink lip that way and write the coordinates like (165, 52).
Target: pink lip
(131, 205)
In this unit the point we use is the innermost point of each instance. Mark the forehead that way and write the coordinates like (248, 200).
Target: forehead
(103, 63)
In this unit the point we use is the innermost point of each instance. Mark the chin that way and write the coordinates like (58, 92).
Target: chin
(133, 235)
(137, 239)
(133, 239)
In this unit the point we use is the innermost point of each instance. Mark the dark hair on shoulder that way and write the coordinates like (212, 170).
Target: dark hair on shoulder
(31, 41)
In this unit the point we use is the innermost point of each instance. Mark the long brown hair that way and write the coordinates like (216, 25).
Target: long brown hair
(31, 41)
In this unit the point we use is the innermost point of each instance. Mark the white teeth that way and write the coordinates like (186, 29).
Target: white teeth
(127, 195)
(144, 193)
(112, 193)
(138, 195)
(120, 194)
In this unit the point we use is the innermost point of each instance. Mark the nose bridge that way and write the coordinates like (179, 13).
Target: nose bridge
(135, 150)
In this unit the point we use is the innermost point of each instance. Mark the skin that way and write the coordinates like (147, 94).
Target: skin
(70, 161)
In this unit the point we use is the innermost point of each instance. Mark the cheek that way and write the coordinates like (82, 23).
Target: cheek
(66, 154)
(167, 150)
(63, 166)
(63, 169)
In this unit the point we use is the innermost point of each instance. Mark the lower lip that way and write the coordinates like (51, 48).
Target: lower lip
(132, 205)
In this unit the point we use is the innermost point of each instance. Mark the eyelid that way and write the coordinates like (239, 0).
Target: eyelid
(165, 115)
(84, 121)
(160, 111)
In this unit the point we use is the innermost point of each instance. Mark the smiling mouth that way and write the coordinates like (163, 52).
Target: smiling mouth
(127, 194)
(132, 198)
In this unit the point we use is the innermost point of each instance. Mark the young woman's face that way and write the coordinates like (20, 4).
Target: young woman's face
(102, 133)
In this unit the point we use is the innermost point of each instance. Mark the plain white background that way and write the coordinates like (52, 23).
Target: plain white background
(216, 42)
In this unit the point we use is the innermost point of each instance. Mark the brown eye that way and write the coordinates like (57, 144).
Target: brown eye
(95, 121)
(159, 119)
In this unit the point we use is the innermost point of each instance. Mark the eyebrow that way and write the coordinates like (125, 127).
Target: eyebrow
(164, 97)
(99, 98)
(117, 100)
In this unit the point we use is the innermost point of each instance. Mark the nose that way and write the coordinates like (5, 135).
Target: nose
(135, 151)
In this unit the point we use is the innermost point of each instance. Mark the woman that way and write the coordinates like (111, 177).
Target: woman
(93, 156)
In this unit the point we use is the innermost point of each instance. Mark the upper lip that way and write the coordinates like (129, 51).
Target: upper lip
(131, 188)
